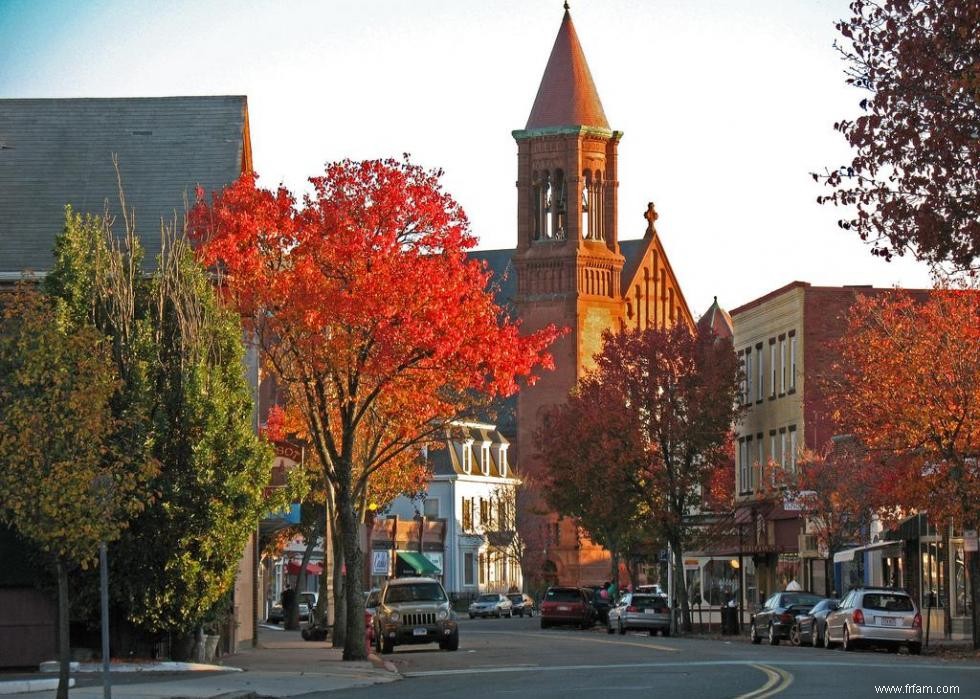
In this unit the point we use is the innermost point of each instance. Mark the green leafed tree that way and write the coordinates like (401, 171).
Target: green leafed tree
(180, 356)
(65, 484)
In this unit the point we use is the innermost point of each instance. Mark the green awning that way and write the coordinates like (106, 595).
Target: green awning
(421, 564)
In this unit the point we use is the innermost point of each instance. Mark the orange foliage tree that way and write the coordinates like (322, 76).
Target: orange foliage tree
(375, 322)
(910, 392)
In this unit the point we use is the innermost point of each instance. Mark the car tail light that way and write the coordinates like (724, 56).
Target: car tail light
(631, 608)
(786, 618)
(858, 616)
(917, 621)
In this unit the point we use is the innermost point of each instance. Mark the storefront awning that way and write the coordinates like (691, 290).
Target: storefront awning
(313, 567)
(889, 549)
(421, 564)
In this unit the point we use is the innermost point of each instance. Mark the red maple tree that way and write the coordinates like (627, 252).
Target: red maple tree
(376, 324)
(913, 177)
(910, 393)
(655, 414)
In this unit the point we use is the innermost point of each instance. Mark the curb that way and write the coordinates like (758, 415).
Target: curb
(381, 663)
(26, 686)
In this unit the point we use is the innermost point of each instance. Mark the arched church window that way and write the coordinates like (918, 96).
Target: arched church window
(547, 205)
(586, 199)
(560, 206)
(537, 195)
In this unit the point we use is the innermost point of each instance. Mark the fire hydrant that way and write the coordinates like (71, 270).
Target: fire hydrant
(368, 630)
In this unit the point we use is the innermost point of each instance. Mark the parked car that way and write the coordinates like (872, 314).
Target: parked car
(275, 613)
(371, 599)
(307, 603)
(635, 610)
(414, 610)
(567, 605)
(809, 626)
(778, 615)
(523, 604)
(493, 604)
(876, 616)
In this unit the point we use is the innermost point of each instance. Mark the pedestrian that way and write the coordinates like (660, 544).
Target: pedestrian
(288, 599)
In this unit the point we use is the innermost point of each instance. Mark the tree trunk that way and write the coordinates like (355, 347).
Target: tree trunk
(973, 576)
(291, 623)
(339, 633)
(680, 584)
(64, 645)
(354, 644)
(614, 568)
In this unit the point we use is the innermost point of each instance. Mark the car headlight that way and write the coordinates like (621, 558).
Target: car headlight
(394, 616)
(442, 614)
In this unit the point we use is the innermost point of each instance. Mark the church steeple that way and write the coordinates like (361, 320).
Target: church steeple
(567, 94)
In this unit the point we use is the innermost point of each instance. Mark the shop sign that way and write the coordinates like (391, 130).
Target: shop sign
(380, 563)
(691, 564)
(435, 558)
(970, 540)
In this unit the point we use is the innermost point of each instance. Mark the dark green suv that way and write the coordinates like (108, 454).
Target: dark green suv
(415, 610)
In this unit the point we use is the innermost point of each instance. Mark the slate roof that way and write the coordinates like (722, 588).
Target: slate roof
(633, 251)
(449, 459)
(567, 95)
(59, 151)
(717, 321)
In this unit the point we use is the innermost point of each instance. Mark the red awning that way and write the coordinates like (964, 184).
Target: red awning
(313, 567)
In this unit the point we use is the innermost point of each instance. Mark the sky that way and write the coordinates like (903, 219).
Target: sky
(727, 107)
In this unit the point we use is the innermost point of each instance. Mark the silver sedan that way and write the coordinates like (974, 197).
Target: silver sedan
(640, 611)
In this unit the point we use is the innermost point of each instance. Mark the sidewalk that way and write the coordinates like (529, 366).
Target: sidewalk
(283, 665)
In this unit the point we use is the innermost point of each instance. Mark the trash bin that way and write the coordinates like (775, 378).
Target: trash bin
(729, 621)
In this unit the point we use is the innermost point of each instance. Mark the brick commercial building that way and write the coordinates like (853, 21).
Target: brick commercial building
(785, 340)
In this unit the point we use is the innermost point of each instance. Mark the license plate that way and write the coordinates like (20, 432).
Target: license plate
(564, 609)
(886, 621)
(420, 631)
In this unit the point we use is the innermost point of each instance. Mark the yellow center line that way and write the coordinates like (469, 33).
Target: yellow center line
(777, 680)
(585, 640)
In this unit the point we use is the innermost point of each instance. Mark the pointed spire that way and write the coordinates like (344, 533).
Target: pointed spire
(567, 95)
(716, 320)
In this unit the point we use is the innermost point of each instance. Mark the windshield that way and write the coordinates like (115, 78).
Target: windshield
(516, 598)
(488, 598)
(415, 592)
(566, 595)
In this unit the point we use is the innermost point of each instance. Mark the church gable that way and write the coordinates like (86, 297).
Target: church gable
(651, 292)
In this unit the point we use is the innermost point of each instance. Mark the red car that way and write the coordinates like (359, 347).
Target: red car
(567, 605)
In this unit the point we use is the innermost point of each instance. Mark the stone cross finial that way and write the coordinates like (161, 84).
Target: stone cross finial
(651, 215)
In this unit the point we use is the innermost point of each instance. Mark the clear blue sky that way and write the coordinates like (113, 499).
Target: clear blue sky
(726, 105)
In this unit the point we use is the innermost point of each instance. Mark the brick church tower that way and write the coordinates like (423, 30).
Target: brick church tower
(570, 267)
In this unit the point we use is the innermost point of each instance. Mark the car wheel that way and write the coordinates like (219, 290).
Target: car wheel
(665, 632)
(752, 634)
(451, 643)
(815, 636)
(773, 638)
(653, 632)
(510, 614)
(622, 629)
(472, 616)
(827, 643)
(609, 629)
(545, 624)
(794, 635)
(846, 643)
(387, 646)
(915, 648)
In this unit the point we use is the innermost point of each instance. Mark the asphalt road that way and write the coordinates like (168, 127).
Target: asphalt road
(516, 658)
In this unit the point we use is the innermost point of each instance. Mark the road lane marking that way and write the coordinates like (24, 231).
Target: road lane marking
(569, 637)
(777, 680)
(690, 663)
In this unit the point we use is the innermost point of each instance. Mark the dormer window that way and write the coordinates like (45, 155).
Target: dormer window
(468, 456)
(502, 460)
(485, 459)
